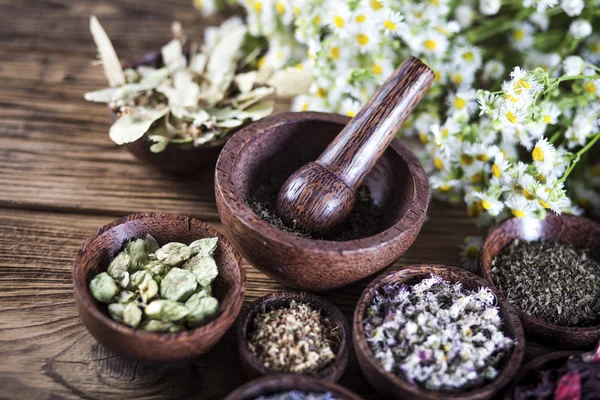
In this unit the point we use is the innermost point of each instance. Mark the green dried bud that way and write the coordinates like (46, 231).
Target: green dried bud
(205, 246)
(178, 285)
(115, 310)
(204, 269)
(157, 269)
(125, 296)
(132, 315)
(152, 325)
(173, 253)
(166, 310)
(117, 269)
(194, 299)
(136, 279)
(138, 253)
(206, 309)
(104, 288)
(148, 289)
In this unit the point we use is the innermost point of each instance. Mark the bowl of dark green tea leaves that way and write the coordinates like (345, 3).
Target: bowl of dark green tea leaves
(158, 287)
(549, 271)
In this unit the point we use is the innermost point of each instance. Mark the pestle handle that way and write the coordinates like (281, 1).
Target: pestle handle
(356, 149)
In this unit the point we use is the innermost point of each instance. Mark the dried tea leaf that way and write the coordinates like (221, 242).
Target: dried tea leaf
(138, 253)
(172, 55)
(204, 246)
(206, 309)
(115, 310)
(258, 111)
(178, 285)
(125, 296)
(157, 269)
(136, 279)
(184, 92)
(198, 63)
(203, 267)
(148, 288)
(197, 115)
(247, 99)
(229, 123)
(194, 299)
(160, 143)
(108, 56)
(103, 288)
(204, 138)
(131, 127)
(132, 315)
(173, 253)
(290, 82)
(118, 267)
(166, 310)
(153, 325)
(245, 81)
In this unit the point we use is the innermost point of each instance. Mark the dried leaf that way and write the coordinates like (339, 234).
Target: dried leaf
(131, 127)
(290, 82)
(205, 247)
(160, 143)
(203, 267)
(198, 63)
(108, 56)
(245, 81)
(229, 123)
(246, 100)
(259, 111)
(172, 55)
(166, 310)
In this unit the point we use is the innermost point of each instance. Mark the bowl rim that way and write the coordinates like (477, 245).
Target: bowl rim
(361, 346)
(225, 189)
(536, 364)
(285, 382)
(485, 271)
(333, 371)
(89, 304)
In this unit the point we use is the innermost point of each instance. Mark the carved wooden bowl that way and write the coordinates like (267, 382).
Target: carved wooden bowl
(95, 254)
(272, 149)
(253, 367)
(274, 384)
(390, 385)
(529, 371)
(578, 232)
(178, 159)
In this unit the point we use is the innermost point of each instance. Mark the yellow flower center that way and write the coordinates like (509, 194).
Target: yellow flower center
(280, 7)
(476, 178)
(338, 21)
(438, 76)
(518, 213)
(511, 117)
(335, 52)
(486, 204)
(468, 56)
(445, 132)
(377, 70)
(457, 79)
(459, 103)
(198, 3)
(445, 188)
(304, 106)
(466, 159)
(258, 6)
(299, 66)
(297, 10)
(585, 203)
(424, 139)
(376, 5)
(537, 154)
(261, 62)
(590, 87)
(439, 164)
(387, 24)
(472, 252)
(496, 171)
(360, 18)
(317, 20)
(543, 203)
(321, 92)
(362, 39)
(528, 195)
(351, 114)
(430, 44)
(518, 35)
(547, 119)
(482, 157)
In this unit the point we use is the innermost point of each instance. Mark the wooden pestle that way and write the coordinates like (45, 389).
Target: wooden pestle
(319, 196)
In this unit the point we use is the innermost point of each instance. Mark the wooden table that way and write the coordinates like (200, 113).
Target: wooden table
(61, 178)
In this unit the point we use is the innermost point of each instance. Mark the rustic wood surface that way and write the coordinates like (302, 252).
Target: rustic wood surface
(62, 178)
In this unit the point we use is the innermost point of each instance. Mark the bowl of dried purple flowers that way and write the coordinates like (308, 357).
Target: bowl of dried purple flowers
(548, 271)
(291, 387)
(293, 332)
(436, 332)
(176, 108)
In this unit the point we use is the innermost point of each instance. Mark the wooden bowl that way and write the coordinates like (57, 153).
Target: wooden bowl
(391, 386)
(178, 159)
(272, 149)
(273, 384)
(578, 232)
(98, 250)
(530, 370)
(254, 368)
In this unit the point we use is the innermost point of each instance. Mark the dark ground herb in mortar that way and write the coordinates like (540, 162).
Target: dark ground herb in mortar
(364, 220)
(550, 281)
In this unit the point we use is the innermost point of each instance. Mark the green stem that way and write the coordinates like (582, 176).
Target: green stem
(554, 137)
(578, 156)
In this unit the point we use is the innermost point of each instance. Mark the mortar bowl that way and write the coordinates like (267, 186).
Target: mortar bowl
(271, 150)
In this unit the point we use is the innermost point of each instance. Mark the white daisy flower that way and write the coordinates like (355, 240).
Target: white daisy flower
(520, 207)
(489, 203)
(493, 70)
(572, 7)
(489, 7)
(573, 65)
(580, 29)
(522, 36)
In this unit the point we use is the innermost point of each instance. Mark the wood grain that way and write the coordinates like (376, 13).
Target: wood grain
(61, 178)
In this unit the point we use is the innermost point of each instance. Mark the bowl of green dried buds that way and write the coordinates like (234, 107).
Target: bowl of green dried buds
(158, 287)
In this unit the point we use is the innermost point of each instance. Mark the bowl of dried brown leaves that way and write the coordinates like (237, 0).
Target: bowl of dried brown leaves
(176, 108)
